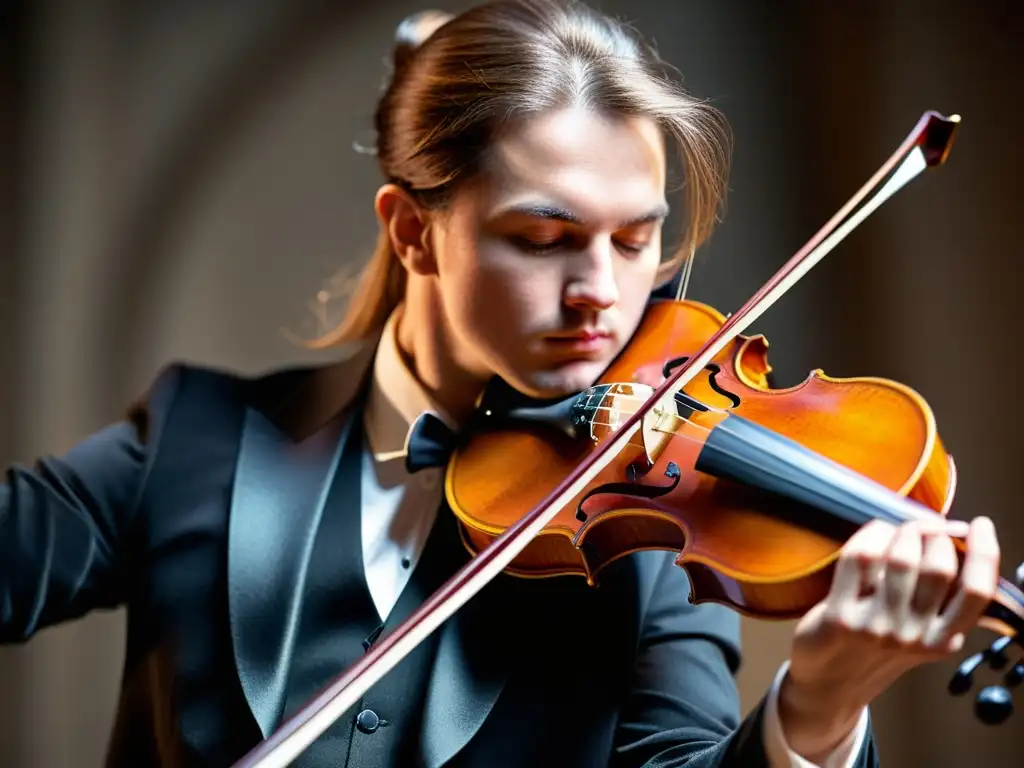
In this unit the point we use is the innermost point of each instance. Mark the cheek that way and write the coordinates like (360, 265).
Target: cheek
(500, 294)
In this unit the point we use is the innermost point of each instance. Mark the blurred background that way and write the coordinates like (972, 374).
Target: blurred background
(178, 181)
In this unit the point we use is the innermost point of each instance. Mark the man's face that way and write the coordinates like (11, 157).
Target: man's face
(546, 261)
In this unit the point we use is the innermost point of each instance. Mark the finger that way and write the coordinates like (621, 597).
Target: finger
(936, 574)
(863, 550)
(892, 614)
(979, 575)
(859, 563)
(936, 524)
(935, 577)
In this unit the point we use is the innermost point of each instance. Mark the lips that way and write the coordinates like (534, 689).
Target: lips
(587, 336)
(581, 341)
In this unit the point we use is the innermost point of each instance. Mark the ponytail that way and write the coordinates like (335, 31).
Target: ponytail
(380, 290)
(381, 285)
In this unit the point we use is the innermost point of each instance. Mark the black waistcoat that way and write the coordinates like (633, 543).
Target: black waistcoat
(339, 622)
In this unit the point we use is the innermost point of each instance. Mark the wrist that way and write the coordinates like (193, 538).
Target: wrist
(816, 719)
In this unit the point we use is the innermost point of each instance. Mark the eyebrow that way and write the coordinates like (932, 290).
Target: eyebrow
(563, 214)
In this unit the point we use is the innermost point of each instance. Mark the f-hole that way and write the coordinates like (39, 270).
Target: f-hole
(633, 488)
(685, 400)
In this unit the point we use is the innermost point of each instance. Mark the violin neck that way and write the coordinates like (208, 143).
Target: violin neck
(799, 485)
(804, 488)
(1005, 614)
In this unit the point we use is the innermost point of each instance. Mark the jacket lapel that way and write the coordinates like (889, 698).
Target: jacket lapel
(295, 426)
(294, 431)
(471, 668)
(464, 686)
(482, 655)
(278, 498)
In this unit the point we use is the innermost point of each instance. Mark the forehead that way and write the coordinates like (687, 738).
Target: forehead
(599, 167)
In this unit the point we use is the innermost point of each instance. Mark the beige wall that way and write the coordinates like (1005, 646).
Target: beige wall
(179, 183)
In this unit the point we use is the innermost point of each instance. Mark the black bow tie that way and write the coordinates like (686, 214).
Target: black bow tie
(431, 443)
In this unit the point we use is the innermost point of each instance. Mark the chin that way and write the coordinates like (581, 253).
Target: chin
(563, 381)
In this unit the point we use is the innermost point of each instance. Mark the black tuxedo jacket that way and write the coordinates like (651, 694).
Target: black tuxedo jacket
(197, 513)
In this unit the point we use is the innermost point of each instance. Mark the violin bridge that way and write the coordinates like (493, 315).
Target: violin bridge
(660, 425)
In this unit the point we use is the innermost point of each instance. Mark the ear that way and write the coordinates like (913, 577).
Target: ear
(408, 227)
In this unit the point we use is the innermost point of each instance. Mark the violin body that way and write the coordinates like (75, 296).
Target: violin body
(735, 546)
(685, 446)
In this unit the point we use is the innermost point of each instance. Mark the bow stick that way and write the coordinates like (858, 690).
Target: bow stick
(927, 146)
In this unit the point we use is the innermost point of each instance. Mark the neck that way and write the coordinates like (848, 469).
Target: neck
(427, 344)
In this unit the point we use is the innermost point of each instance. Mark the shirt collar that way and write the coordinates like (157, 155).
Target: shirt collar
(395, 399)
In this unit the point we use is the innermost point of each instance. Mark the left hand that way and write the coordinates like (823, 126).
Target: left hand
(882, 618)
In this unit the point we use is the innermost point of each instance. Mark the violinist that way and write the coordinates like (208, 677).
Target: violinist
(264, 532)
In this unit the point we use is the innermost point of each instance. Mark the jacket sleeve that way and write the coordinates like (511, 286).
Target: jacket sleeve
(683, 708)
(65, 521)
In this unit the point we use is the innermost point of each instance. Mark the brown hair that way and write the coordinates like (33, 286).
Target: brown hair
(457, 80)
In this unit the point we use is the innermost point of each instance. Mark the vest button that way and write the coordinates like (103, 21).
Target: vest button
(367, 721)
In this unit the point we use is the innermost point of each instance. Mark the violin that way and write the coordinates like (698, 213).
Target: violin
(683, 445)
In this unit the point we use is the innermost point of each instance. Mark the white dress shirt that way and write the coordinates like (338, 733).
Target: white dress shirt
(398, 511)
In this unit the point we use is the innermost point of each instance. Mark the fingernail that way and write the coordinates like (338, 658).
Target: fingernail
(932, 635)
(957, 528)
(944, 525)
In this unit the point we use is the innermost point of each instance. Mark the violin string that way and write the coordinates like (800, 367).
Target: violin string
(677, 398)
(626, 415)
(697, 431)
(684, 279)
(894, 517)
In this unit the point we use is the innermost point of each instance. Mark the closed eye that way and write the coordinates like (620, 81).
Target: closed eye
(633, 247)
(546, 246)
(536, 246)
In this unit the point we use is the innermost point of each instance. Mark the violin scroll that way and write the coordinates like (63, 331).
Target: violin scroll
(994, 703)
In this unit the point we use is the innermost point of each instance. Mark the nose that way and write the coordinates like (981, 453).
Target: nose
(592, 284)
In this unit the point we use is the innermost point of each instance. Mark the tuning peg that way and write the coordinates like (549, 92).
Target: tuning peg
(1015, 676)
(993, 705)
(995, 655)
(963, 678)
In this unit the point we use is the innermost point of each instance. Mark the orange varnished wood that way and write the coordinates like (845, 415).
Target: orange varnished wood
(734, 551)
(733, 540)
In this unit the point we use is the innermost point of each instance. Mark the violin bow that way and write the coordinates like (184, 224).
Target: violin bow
(927, 146)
